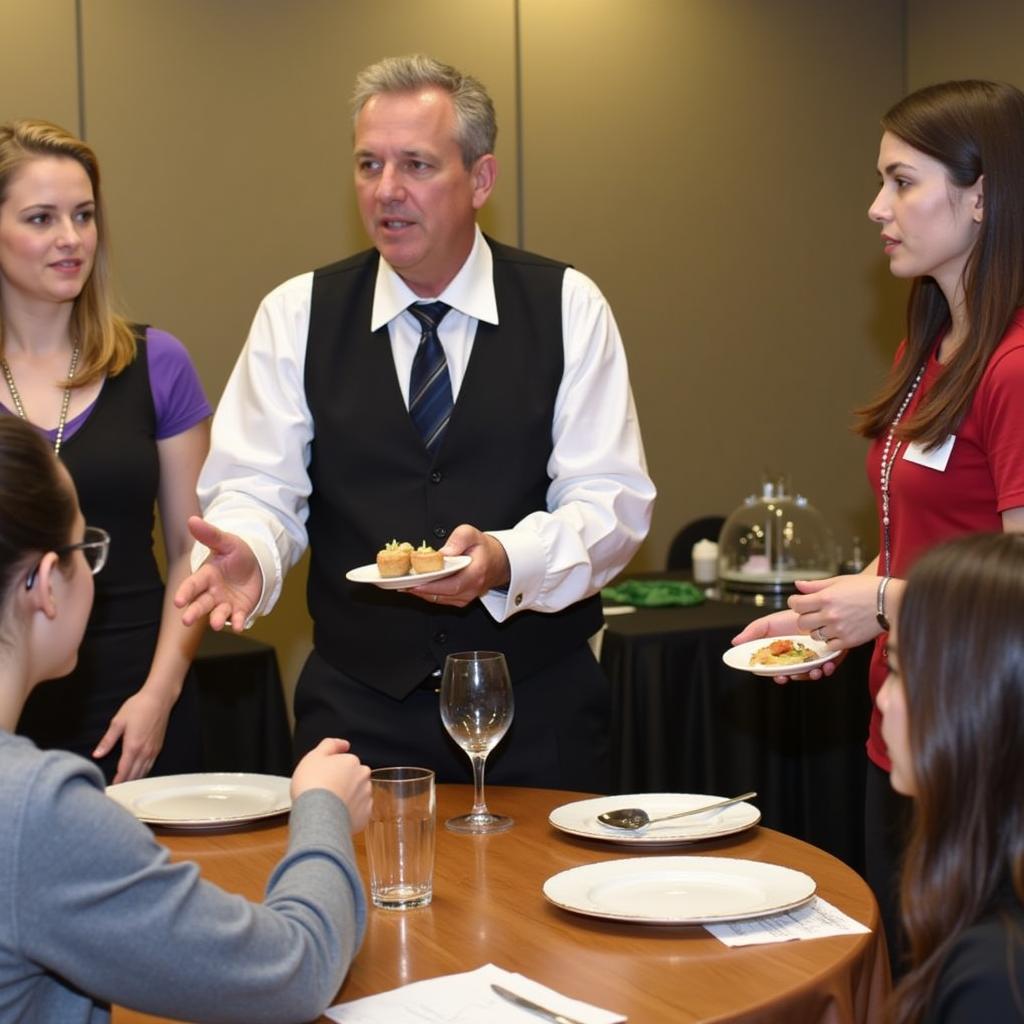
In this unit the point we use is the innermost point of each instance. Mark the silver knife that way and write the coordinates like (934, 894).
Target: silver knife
(527, 1004)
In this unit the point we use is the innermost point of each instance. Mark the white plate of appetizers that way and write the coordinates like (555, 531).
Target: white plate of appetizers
(371, 574)
(739, 657)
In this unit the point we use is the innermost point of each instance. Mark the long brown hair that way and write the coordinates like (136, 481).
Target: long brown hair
(974, 128)
(961, 656)
(37, 505)
(106, 338)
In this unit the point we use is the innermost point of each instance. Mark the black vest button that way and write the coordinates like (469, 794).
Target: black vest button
(440, 638)
(440, 532)
(436, 477)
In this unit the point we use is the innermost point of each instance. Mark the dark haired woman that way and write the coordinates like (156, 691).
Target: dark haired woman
(961, 620)
(93, 912)
(124, 409)
(947, 430)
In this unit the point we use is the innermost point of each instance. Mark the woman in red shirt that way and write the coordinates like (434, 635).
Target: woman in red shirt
(947, 429)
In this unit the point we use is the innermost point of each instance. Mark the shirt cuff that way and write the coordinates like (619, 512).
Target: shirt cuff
(269, 561)
(527, 570)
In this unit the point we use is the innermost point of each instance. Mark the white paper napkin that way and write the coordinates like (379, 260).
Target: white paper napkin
(465, 999)
(815, 920)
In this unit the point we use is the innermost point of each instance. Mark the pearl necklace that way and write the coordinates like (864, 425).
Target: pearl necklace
(888, 461)
(65, 403)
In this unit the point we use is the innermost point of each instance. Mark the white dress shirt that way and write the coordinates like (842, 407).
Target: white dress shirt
(255, 482)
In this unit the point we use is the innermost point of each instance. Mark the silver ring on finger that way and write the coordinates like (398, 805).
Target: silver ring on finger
(819, 634)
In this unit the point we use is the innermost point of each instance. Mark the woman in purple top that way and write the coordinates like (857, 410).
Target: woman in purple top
(124, 410)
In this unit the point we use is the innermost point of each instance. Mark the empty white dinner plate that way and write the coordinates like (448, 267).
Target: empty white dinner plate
(371, 574)
(679, 890)
(580, 818)
(204, 799)
(739, 656)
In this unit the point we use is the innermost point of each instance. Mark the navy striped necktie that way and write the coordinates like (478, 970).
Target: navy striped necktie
(430, 389)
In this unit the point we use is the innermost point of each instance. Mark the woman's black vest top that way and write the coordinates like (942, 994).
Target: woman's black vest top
(113, 460)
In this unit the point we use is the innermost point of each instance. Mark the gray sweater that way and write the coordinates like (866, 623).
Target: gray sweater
(92, 911)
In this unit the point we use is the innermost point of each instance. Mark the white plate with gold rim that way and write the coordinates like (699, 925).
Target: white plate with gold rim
(679, 890)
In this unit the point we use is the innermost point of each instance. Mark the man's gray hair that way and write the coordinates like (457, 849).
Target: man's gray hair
(475, 126)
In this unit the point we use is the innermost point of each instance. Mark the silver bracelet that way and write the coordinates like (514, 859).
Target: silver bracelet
(880, 604)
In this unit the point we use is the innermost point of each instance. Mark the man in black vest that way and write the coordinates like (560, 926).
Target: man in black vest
(536, 472)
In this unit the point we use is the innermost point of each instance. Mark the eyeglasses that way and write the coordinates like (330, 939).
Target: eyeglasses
(95, 546)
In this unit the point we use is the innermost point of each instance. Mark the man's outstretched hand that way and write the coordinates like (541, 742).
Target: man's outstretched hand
(227, 586)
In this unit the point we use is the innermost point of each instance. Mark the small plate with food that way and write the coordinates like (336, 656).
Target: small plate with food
(399, 566)
(779, 655)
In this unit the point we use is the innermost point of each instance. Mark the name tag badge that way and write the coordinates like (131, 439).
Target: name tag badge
(935, 459)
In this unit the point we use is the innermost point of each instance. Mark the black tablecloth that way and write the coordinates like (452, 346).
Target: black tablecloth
(683, 721)
(244, 718)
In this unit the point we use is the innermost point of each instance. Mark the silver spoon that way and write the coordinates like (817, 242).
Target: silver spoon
(632, 818)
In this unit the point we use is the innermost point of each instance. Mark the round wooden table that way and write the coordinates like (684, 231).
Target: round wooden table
(488, 907)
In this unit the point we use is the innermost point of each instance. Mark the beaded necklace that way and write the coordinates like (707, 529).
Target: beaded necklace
(886, 471)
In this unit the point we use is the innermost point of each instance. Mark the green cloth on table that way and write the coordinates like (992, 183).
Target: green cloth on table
(654, 593)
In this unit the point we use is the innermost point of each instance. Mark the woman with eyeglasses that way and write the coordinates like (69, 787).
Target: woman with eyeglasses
(960, 757)
(92, 911)
(123, 408)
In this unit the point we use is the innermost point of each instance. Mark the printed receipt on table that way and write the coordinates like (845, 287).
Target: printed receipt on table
(814, 920)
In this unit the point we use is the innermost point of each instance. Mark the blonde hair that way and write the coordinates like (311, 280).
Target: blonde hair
(105, 337)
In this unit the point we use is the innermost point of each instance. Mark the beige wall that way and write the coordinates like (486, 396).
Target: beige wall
(224, 132)
(949, 40)
(708, 162)
(39, 68)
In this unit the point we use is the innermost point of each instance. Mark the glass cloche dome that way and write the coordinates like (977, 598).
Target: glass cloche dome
(769, 543)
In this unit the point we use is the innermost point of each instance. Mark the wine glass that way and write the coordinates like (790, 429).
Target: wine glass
(476, 708)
